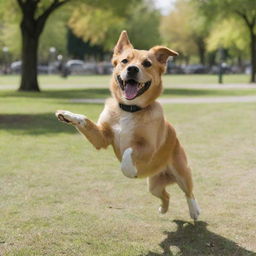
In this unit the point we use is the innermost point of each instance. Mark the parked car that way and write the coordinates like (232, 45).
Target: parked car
(195, 69)
(172, 68)
(226, 69)
(79, 67)
(104, 68)
(248, 69)
(16, 66)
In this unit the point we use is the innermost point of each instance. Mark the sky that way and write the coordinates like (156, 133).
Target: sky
(164, 5)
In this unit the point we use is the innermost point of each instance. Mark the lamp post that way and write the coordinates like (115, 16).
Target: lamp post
(52, 52)
(5, 54)
(222, 65)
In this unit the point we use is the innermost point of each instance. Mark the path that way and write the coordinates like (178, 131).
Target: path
(185, 100)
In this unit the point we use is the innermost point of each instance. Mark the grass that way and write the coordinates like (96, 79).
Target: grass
(103, 80)
(59, 196)
(94, 93)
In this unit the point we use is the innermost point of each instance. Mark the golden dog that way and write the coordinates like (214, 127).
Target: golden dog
(133, 123)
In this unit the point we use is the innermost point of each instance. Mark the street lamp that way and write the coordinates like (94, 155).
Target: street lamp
(52, 52)
(5, 50)
(222, 64)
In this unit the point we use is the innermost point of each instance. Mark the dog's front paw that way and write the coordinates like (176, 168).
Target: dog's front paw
(71, 118)
(127, 166)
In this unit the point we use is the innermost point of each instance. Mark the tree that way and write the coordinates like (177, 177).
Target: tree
(176, 33)
(242, 9)
(55, 36)
(186, 31)
(51, 36)
(103, 26)
(34, 16)
(142, 25)
(97, 25)
(78, 49)
(227, 34)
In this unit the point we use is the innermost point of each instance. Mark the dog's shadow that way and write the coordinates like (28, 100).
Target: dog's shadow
(195, 240)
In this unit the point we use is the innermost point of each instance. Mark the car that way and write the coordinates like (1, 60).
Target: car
(226, 69)
(195, 69)
(248, 69)
(104, 68)
(16, 67)
(172, 68)
(80, 67)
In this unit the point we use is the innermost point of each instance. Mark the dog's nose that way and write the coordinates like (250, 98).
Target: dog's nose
(133, 70)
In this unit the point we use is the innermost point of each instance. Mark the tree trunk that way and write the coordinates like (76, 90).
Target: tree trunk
(201, 50)
(253, 55)
(31, 29)
(29, 80)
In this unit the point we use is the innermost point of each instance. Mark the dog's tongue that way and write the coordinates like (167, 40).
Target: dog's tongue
(130, 90)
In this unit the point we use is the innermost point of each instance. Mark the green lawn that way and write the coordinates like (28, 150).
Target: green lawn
(59, 196)
(103, 81)
(94, 93)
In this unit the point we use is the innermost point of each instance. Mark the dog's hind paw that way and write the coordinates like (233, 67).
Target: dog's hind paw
(162, 210)
(127, 166)
(194, 209)
(70, 118)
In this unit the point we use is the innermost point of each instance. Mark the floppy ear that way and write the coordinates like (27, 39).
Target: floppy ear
(122, 43)
(163, 53)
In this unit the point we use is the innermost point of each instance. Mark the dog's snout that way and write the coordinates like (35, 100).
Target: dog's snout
(133, 70)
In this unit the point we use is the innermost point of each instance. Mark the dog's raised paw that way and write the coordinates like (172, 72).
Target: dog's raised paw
(70, 118)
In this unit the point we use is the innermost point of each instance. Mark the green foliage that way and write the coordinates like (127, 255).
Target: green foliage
(227, 33)
(10, 34)
(96, 25)
(103, 26)
(79, 49)
(214, 9)
(55, 35)
(142, 25)
(182, 28)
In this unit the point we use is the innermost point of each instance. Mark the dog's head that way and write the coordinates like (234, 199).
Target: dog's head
(137, 73)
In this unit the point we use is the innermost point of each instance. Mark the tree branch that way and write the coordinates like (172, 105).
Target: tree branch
(56, 4)
(43, 17)
(245, 18)
(21, 4)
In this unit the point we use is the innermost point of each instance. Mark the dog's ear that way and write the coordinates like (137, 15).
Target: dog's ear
(122, 43)
(163, 53)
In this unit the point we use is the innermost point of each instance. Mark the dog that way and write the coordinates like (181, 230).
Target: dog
(133, 123)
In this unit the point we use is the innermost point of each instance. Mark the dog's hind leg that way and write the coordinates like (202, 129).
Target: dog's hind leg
(182, 174)
(156, 186)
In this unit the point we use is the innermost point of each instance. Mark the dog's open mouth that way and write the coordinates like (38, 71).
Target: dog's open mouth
(132, 88)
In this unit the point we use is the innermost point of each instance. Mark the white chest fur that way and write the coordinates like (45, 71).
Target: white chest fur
(124, 130)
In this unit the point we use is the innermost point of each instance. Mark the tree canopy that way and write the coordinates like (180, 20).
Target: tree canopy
(103, 26)
(236, 9)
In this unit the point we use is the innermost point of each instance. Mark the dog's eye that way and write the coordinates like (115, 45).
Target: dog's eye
(146, 64)
(124, 61)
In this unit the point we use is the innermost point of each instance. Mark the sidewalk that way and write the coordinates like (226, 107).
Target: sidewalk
(166, 86)
(185, 100)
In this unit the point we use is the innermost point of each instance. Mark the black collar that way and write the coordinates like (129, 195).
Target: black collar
(130, 108)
